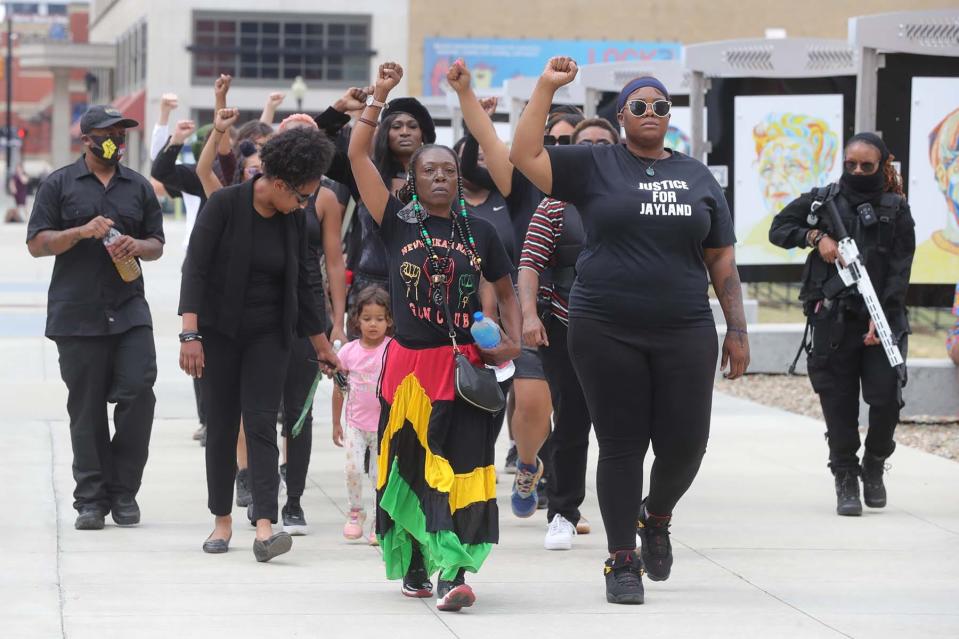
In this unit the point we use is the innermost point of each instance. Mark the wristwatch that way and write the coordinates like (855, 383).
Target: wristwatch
(371, 101)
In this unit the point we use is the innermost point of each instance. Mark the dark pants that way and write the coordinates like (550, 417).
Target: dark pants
(300, 374)
(200, 412)
(644, 386)
(119, 369)
(243, 376)
(836, 374)
(569, 441)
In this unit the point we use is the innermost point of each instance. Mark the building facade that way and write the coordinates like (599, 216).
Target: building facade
(181, 47)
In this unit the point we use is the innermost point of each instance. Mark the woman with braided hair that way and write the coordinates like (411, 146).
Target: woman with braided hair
(436, 484)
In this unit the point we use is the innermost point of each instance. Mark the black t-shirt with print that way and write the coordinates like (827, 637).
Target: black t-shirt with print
(420, 323)
(643, 262)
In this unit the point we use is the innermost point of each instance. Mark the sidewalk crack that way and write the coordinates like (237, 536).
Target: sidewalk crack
(56, 514)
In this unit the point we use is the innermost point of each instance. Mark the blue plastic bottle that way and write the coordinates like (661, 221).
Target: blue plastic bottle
(485, 332)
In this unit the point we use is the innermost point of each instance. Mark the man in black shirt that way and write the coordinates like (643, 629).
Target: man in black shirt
(101, 324)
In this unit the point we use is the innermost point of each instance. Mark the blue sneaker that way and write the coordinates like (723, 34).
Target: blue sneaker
(524, 500)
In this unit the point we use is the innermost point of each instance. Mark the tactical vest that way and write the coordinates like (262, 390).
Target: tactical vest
(821, 280)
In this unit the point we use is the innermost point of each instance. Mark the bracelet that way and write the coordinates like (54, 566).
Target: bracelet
(367, 121)
(737, 330)
(190, 336)
(219, 131)
(818, 239)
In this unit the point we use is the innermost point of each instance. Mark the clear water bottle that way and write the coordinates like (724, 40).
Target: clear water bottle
(128, 268)
(485, 331)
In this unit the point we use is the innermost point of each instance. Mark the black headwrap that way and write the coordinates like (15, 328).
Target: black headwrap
(415, 108)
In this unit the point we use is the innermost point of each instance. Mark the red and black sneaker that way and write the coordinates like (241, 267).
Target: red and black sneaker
(416, 582)
(455, 595)
(656, 551)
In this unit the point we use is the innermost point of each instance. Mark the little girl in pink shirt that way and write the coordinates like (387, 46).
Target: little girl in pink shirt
(362, 360)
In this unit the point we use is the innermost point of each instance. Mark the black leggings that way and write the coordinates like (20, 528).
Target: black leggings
(644, 386)
(299, 378)
(243, 376)
(569, 441)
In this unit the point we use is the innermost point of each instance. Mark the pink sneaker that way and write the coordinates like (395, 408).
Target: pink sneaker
(353, 528)
(372, 538)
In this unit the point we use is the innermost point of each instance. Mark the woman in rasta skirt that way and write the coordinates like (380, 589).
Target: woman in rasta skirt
(436, 484)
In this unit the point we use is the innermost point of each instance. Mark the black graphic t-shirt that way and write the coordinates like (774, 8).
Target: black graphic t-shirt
(643, 262)
(419, 321)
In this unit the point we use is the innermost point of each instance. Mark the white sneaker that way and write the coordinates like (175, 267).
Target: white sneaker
(559, 535)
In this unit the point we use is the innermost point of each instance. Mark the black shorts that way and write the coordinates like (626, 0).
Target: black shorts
(529, 365)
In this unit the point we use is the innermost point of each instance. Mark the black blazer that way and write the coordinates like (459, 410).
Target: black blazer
(217, 266)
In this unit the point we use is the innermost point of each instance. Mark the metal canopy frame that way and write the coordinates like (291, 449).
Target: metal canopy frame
(759, 58)
(934, 33)
(613, 76)
(518, 90)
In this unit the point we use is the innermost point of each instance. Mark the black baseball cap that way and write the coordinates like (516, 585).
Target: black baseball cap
(101, 116)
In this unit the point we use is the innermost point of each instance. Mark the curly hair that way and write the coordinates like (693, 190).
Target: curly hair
(891, 178)
(797, 126)
(376, 296)
(297, 156)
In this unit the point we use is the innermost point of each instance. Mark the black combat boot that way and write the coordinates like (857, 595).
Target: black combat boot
(873, 490)
(847, 493)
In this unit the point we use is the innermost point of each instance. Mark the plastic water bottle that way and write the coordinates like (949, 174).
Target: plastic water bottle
(127, 267)
(485, 332)
(339, 377)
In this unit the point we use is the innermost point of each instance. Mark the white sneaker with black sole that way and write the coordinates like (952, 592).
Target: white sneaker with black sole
(559, 534)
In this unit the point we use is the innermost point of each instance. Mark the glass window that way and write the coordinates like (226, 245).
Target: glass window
(280, 48)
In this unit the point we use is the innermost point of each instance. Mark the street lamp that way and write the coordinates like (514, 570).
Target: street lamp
(298, 89)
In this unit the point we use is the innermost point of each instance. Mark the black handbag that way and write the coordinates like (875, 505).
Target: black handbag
(474, 385)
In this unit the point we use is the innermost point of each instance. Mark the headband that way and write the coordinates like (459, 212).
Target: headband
(639, 83)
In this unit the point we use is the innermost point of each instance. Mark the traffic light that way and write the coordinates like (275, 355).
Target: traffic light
(22, 133)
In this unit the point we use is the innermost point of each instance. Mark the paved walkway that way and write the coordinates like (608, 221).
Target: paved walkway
(758, 550)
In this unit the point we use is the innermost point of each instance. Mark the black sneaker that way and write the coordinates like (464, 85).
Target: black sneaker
(511, 457)
(89, 518)
(416, 582)
(656, 551)
(243, 495)
(454, 595)
(203, 437)
(542, 498)
(873, 488)
(847, 493)
(624, 578)
(249, 515)
(294, 521)
(125, 511)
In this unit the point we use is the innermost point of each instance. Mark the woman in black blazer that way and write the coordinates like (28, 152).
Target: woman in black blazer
(245, 294)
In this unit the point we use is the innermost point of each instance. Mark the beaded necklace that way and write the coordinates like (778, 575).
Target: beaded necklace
(460, 225)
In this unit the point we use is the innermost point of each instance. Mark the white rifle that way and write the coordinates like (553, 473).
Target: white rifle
(853, 273)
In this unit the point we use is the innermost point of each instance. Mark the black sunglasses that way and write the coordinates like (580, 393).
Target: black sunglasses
(640, 107)
(300, 198)
(600, 141)
(867, 167)
(550, 140)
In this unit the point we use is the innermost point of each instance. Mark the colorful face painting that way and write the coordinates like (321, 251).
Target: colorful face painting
(944, 159)
(794, 153)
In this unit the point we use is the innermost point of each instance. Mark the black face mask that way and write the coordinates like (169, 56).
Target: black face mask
(108, 148)
(864, 184)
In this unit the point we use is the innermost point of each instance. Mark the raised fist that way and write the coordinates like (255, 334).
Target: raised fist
(560, 70)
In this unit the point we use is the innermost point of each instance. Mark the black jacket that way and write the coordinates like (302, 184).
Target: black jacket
(176, 178)
(887, 249)
(217, 266)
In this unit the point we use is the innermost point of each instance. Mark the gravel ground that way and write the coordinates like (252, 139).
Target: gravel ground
(936, 435)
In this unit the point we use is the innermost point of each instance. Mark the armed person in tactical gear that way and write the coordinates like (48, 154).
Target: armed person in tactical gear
(844, 347)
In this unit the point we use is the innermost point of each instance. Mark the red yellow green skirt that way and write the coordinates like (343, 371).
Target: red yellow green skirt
(436, 483)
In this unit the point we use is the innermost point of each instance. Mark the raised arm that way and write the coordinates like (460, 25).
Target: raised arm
(369, 183)
(222, 121)
(168, 102)
(273, 102)
(527, 152)
(480, 124)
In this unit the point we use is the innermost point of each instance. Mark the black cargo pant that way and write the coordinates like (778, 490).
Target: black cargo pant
(838, 364)
(243, 376)
(117, 369)
(569, 440)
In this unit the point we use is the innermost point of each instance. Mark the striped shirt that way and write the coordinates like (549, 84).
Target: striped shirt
(545, 229)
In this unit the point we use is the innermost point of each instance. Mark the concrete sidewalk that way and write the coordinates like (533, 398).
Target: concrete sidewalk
(758, 549)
